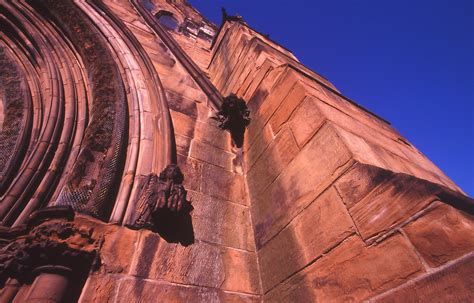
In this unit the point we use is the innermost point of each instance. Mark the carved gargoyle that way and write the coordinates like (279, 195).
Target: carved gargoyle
(234, 116)
(159, 192)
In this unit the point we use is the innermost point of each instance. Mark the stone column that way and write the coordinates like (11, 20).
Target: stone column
(50, 285)
(9, 291)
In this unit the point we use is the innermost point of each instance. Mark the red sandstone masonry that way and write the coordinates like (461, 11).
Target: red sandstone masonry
(351, 272)
(452, 283)
(330, 203)
(223, 257)
(386, 183)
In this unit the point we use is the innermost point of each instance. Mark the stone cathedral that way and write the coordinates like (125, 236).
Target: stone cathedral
(149, 155)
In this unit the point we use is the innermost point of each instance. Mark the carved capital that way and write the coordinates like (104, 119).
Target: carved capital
(55, 243)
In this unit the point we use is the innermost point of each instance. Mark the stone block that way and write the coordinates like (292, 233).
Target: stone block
(223, 184)
(322, 225)
(263, 90)
(99, 288)
(198, 264)
(210, 134)
(182, 124)
(363, 151)
(261, 73)
(288, 106)
(270, 104)
(192, 171)
(210, 154)
(391, 203)
(311, 171)
(306, 120)
(241, 272)
(359, 181)
(115, 252)
(253, 152)
(182, 144)
(182, 105)
(273, 160)
(286, 85)
(451, 284)
(221, 222)
(138, 290)
(441, 235)
(351, 273)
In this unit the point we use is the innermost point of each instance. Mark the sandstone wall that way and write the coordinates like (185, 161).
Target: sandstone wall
(214, 258)
(205, 254)
(340, 201)
(325, 201)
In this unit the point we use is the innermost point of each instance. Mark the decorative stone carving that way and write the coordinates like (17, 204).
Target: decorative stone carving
(234, 116)
(226, 16)
(159, 192)
(54, 243)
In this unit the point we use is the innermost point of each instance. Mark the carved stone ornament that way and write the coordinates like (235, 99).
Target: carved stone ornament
(234, 116)
(160, 192)
(227, 17)
(233, 113)
(50, 244)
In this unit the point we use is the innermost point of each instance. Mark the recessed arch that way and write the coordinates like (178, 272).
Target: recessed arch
(166, 19)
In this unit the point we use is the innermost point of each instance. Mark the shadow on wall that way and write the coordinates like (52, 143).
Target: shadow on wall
(175, 227)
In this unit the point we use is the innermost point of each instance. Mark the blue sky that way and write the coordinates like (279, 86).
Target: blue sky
(411, 62)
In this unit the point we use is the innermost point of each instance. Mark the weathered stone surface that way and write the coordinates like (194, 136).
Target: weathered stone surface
(263, 89)
(265, 109)
(192, 171)
(335, 203)
(151, 291)
(359, 181)
(100, 288)
(209, 133)
(117, 249)
(391, 203)
(312, 170)
(306, 120)
(197, 264)
(221, 222)
(368, 153)
(253, 152)
(441, 235)
(241, 271)
(220, 183)
(253, 83)
(287, 107)
(182, 105)
(286, 86)
(210, 154)
(450, 284)
(182, 124)
(322, 225)
(273, 160)
(351, 272)
(182, 144)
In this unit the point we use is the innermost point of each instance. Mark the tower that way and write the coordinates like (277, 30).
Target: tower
(130, 171)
